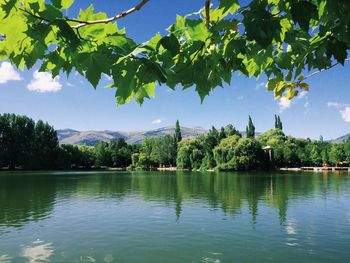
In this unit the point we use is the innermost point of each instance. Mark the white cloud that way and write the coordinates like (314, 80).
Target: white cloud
(345, 114)
(302, 94)
(284, 103)
(344, 109)
(260, 85)
(157, 121)
(43, 82)
(336, 105)
(70, 84)
(8, 73)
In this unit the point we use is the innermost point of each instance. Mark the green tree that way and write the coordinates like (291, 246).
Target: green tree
(222, 134)
(44, 147)
(336, 154)
(235, 153)
(209, 142)
(230, 130)
(177, 139)
(276, 139)
(103, 154)
(347, 149)
(278, 123)
(224, 153)
(250, 130)
(279, 38)
(16, 137)
(190, 154)
(178, 135)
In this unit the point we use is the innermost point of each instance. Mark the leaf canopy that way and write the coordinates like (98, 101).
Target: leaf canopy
(280, 39)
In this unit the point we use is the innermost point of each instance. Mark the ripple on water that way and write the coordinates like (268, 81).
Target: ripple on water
(5, 259)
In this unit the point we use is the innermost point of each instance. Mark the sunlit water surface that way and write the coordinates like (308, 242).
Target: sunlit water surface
(174, 217)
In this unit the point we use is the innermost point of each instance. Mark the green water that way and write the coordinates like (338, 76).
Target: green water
(174, 217)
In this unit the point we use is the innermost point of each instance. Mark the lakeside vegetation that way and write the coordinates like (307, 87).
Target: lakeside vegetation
(29, 145)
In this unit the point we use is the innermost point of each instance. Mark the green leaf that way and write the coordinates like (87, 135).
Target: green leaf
(67, 3)
(171, 44)
(8, 6)
(302, 12)
(146, 91)
(67, 33)
(338, 49)
(95, 64)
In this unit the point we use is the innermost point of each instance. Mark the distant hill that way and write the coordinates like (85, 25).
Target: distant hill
(91, 138)
(342, 138)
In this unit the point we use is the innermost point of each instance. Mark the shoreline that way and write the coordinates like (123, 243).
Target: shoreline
(315, 169)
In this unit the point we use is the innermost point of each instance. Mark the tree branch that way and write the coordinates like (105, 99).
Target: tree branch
(319, 71)
(207, 12)
(33, 15)
(111, 19)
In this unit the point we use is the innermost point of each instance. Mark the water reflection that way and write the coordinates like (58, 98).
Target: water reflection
(32, 197)
(25, 197)
(38, 252)
(5, 259)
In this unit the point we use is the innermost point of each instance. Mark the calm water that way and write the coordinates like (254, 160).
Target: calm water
(168, 217)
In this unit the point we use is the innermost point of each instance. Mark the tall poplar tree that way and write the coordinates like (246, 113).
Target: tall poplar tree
(250, 130)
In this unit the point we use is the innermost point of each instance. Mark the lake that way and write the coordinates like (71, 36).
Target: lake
(174, 217)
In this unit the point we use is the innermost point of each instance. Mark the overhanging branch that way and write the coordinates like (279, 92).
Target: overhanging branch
(319, 71)
(111, 19)
(207, 12)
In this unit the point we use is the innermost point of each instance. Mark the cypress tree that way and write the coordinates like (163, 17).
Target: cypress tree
(222, 134)
(280, 126)
(276, 122)
(178, 136)
(250, 130)
(177, 139)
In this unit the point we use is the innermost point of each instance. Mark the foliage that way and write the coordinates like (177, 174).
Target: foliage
(336, 154)
(250, 130)
(278, 123)
(235, 153)
(30, 145)
(190, 154)
(26, 144)
(281, 39)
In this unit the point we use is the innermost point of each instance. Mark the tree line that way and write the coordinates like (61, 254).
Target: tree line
(27, 144)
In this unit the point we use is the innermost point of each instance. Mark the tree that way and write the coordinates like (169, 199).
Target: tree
(16, 136)
(278, 38)
(222, 134)
(177, 139)
(278, 123)
(190, 154)
(209, 142)
(336, 154)
(224, 153)
(347, 149)
(178, 135)
(103, 154)
(44, 147)
(235, 153)
(230, 130)
(250, 130)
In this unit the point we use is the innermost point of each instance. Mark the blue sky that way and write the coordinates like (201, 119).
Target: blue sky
(73, 103)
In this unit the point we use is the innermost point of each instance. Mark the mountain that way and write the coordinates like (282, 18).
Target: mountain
(91, 138)
(342, 138)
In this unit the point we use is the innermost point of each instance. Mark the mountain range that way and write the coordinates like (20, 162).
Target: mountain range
(341, 139)
(91, 138)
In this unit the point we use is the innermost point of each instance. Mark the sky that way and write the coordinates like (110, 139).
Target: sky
(74, 103)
